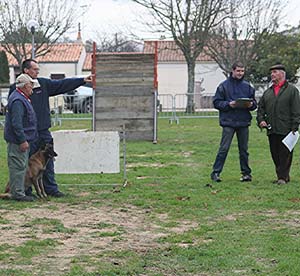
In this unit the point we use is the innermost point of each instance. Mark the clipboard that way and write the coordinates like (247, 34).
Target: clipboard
(243, 102)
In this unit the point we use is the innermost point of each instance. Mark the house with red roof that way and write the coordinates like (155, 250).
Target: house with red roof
(62, 60)
(172, 70)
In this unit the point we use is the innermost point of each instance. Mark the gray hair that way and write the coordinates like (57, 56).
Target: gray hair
(284, 73)
(20, 84)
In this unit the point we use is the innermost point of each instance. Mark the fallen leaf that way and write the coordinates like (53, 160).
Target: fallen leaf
(295, 199)
(183, 198)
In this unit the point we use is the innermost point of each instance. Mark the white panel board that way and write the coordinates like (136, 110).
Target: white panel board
(86, 152)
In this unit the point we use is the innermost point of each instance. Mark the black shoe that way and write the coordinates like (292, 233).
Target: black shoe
(246, 178)
(29, 193)
(25, 198)
(57, 194)
(215, 177)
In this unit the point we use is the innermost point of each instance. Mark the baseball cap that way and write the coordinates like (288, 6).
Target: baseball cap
(25, 78)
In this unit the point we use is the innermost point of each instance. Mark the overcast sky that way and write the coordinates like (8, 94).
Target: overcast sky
(111, 16)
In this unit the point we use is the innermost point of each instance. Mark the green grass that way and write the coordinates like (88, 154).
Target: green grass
(232, 228)
(49, 225)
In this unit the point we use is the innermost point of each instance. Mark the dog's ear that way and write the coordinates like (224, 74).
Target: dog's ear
(42, 145)
(51, 151)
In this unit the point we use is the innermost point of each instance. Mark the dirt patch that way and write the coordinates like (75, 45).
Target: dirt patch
(91, 230)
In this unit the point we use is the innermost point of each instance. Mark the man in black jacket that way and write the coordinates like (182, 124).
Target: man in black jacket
(234, 99)
(40, 103)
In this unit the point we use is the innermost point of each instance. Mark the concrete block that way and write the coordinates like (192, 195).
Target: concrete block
(81, 151)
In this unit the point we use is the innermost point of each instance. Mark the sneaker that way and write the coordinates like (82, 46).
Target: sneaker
(246, 178)
(215, 177)
(25, 198)
(57, 194)
(281, 182)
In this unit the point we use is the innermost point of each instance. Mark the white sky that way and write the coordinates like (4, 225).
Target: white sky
(111, 16)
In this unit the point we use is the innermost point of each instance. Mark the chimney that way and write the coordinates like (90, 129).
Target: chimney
(79, 39)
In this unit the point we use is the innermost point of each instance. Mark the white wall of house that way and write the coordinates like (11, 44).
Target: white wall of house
(46, 69)
(81, 62)
(212, 76)
(172, 80)
(172, 77)
(69, 69)
(11, 75)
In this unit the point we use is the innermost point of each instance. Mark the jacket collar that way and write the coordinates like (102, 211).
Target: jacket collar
(234, 79)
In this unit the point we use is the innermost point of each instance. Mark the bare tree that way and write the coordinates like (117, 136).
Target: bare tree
(240, 36)
(117, 42)
(190, 23)
(54, 18)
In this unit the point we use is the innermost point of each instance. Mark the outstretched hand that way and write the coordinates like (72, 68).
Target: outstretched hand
(89, 78)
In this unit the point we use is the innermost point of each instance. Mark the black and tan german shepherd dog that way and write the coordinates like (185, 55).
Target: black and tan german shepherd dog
(36, 166)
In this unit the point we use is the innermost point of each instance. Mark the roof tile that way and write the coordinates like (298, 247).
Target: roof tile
(60, 52)
(169, 51)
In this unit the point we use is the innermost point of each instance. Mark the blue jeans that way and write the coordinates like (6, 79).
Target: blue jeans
(242, 134)
(49, 175)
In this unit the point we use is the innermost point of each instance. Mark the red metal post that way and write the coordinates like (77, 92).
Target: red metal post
(155, 64)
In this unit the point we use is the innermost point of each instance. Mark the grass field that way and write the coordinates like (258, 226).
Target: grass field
(169, 220)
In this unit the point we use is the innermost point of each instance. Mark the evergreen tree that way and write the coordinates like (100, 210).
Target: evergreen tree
(4, 70)
(280, 47)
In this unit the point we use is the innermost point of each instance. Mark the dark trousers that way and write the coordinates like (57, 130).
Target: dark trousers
(281, 156)
(242, 134)
(49, 175)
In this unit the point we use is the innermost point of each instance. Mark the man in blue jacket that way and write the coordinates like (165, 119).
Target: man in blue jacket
(20, 130)
(234, 99)
(40, 103)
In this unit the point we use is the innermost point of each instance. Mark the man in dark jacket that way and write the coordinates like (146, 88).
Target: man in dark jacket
(20, 130)
(234, 99)
(279, 112)
(40, 103)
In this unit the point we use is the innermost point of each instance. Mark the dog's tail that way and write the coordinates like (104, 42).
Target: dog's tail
(7, 188)
(5, 196)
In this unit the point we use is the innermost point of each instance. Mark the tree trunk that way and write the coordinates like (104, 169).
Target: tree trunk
(190, 106)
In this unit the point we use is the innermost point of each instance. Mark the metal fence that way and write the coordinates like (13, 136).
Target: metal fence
(174, 107)
(61, 110)
(169, 106)
(3, 103)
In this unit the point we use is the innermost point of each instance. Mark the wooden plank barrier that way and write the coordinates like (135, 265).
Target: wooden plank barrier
(124, 94)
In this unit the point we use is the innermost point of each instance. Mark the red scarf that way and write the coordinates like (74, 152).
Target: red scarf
(277, 87)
